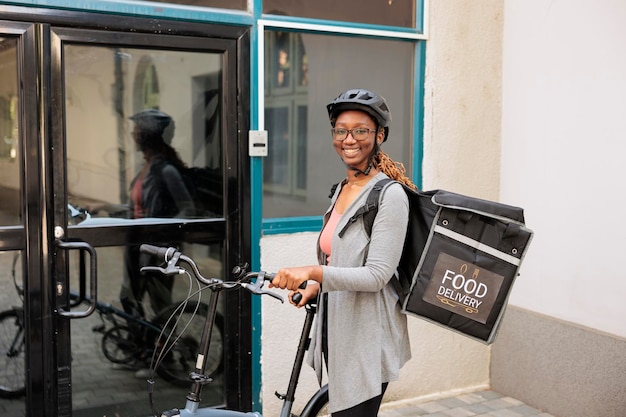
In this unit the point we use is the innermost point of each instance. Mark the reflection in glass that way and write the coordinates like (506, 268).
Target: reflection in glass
(282, 60)
(303, 65)
(158, 189)
(143, 142)
(286, 115)
(12, 333)
(9, 135)
(143, 133)
(301, 129)
(119, 350)
(275, 172)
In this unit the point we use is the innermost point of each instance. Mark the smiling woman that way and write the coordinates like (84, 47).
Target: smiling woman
(355, 280)
(351, 134)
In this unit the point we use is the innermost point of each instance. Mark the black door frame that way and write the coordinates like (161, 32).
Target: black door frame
(41, 124)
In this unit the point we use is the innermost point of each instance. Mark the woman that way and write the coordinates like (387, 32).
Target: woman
(158, 190)
(362, 335)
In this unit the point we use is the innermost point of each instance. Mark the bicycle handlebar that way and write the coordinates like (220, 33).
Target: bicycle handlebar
(251, 281)
(157, 251)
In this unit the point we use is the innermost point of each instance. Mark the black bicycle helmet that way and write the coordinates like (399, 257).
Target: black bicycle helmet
(156, 122)
(363, 100)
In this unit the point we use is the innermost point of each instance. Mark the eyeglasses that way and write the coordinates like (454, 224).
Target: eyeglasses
(358, 133)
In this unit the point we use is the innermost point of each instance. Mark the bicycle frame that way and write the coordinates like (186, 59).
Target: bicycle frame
(198, 377)
(303, 345)
(18, 341)
(313, 405)
(107, 311)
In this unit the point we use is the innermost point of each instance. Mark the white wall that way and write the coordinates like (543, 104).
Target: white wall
(563, 147)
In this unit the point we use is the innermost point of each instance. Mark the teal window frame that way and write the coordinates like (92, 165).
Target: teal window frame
(270, 226)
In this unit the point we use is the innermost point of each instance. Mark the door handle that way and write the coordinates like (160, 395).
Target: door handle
(93, 280)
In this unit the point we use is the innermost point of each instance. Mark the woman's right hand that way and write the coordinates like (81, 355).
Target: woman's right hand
(310, 292)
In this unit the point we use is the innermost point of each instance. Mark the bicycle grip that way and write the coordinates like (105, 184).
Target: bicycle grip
(296, 298)
(157, 251)
(270, 276)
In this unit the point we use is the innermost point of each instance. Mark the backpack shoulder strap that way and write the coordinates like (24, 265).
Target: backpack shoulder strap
(333, 189)
(369, 209)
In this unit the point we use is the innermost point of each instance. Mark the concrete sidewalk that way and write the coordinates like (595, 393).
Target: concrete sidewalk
(482, 403)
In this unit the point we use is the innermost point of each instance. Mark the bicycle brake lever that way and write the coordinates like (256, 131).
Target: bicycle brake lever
(171, 269)
(271, 294)
(256, 287)
(153, 269)
(165, 271)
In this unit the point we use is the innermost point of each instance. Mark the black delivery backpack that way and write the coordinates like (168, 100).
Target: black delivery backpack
(460, 258)
(469, 261)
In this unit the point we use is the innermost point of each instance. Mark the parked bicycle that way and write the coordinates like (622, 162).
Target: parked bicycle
(128, 339)
(178, 263)
(12, 328)
(132, 341)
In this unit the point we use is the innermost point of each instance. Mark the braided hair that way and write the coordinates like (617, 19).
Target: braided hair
(394, 170)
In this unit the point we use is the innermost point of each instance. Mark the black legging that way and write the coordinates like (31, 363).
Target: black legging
(368, 408)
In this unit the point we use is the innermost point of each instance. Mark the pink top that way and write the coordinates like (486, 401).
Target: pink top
(326, 237)
(135, 195)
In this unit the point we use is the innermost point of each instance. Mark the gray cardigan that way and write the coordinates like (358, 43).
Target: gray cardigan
(367, 334)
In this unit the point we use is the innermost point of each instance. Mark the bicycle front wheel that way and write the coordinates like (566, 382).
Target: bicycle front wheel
(12, 373)
(181, 360)
(317, 405)
(122, 345)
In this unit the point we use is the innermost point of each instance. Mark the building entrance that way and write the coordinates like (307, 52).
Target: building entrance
(103, 120)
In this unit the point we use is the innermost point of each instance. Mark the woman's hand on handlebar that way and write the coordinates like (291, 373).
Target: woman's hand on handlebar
(310, 292)
(292, 278)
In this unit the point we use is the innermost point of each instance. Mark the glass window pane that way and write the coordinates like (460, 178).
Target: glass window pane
(133, 118)
(119, 349)
(158, 116)
(301, 144)
(378, 12)
(302, 164)
(277, 162)
(10, 154)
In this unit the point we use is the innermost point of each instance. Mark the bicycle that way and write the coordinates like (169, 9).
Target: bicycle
(128, 339)
(12, 343)
(132, 342)
(252, 282)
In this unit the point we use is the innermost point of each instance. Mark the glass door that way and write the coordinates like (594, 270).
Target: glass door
(12, 236)
(138, 139)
